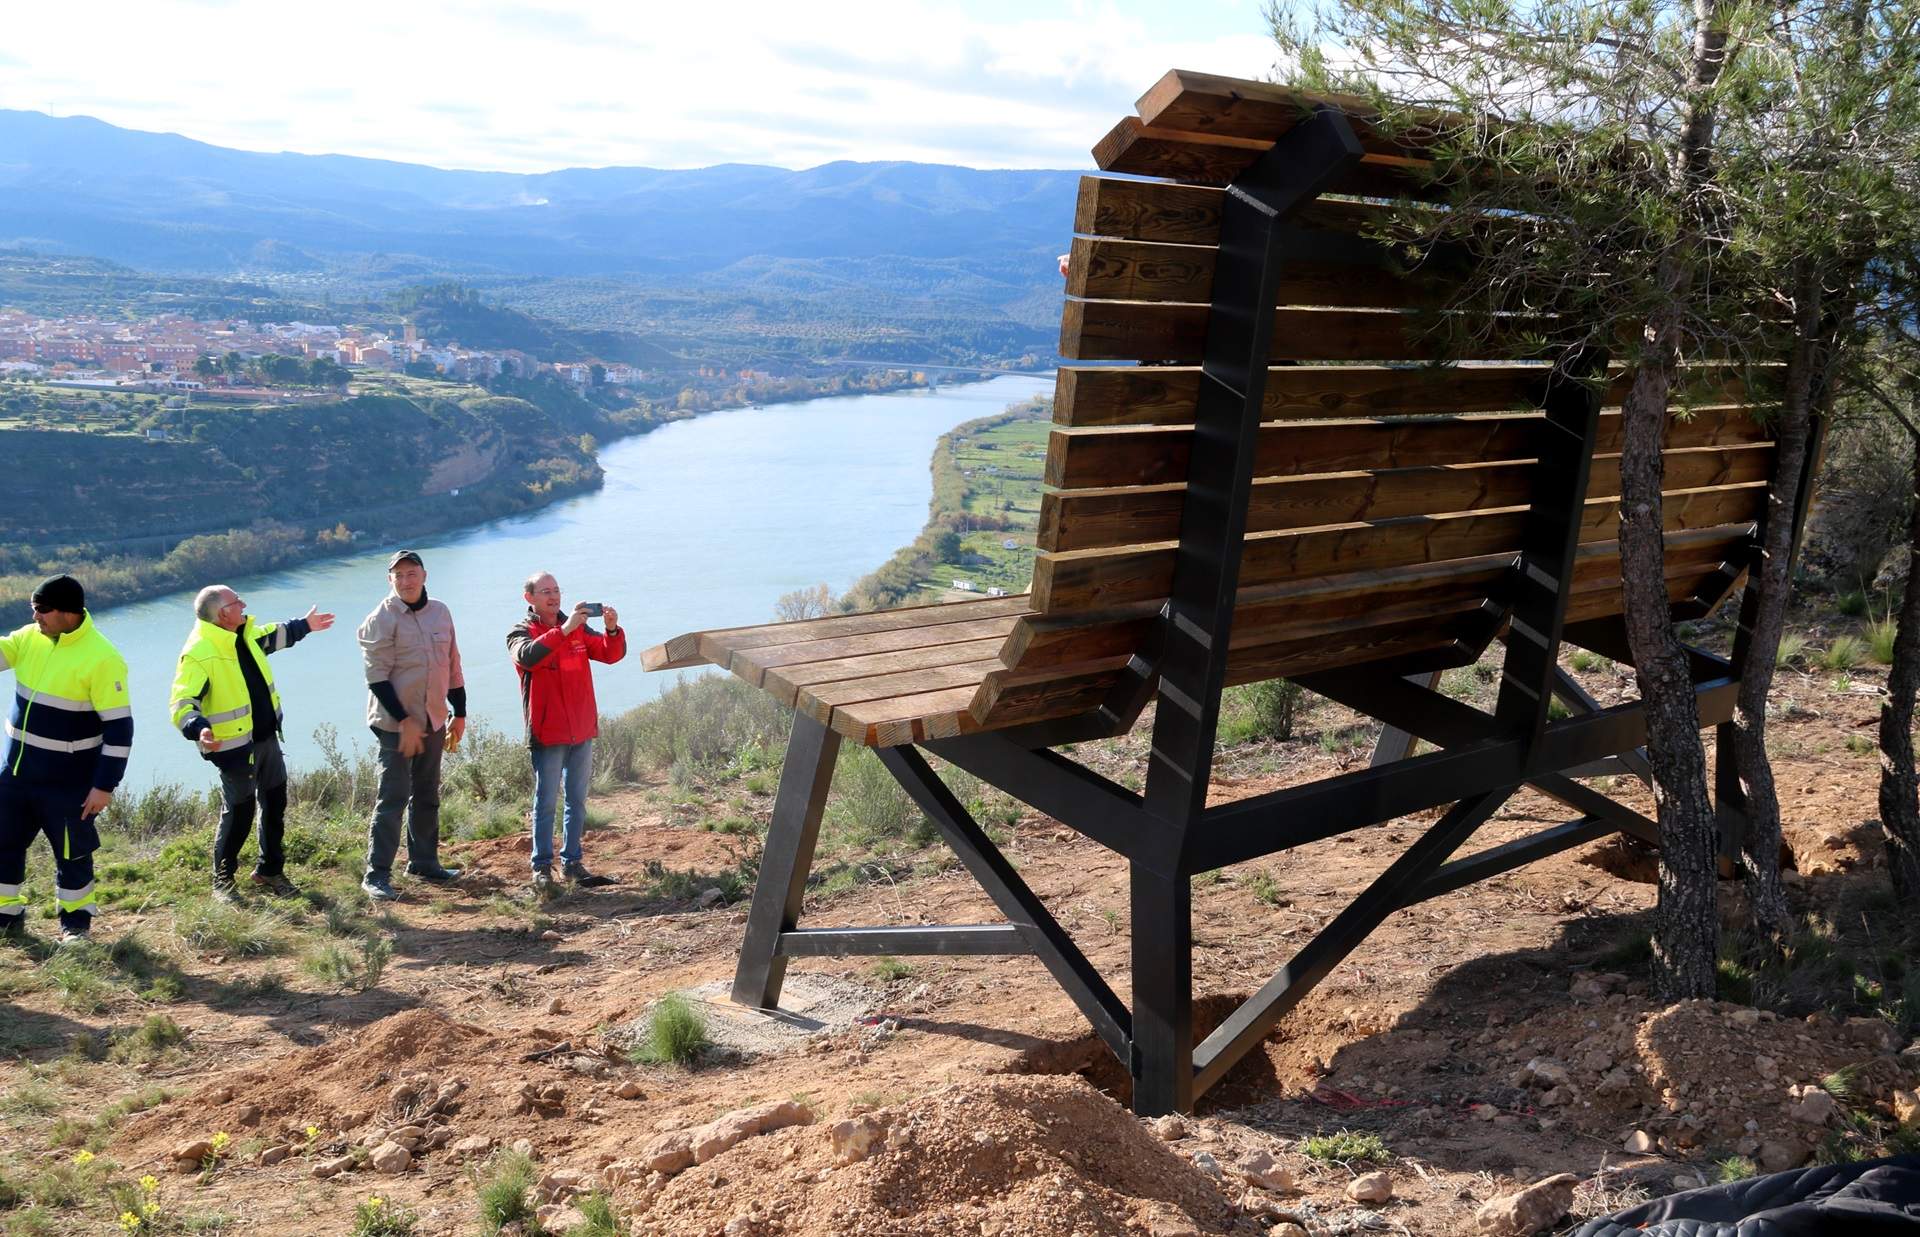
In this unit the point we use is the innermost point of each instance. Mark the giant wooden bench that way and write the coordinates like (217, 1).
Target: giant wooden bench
(1284, 486)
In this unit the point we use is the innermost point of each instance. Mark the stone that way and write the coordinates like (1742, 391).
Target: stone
(551, 935)
(1813, 1107)
(1745, 1016)
(1874, 1033)
(1906, 1107)
(708, 897)
(1687, 1181)
(1204, 1161)
(1539, 1206)
(1260, 1169)
(629, 1090)
(619, 1173)
(555, 1218)
(722, 1132)
(670, 1153)
(332, 1168)
(1287, 1228)
(249, 1115)
(1639, 1142)
(390, 1158)
(739, 1226)
(193, 1151)
(524, 1147)
(471, 1146)
(1371, 1189)
(1778, 1157)
(1169, 1128)
(855, 1139)
(1546, 1073)
(560, 1184)
(1162, 1220)
(556, 1006)
(273, 1155)
(1483, 1112)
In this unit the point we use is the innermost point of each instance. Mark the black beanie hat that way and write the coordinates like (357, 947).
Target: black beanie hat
(61, 593)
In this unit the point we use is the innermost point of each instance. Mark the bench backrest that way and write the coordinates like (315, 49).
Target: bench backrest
(1390, 495)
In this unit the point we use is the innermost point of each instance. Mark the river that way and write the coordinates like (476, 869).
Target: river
(701, 523)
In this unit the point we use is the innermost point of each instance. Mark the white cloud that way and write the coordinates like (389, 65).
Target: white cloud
(529, 86)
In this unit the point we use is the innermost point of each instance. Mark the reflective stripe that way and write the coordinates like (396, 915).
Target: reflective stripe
(35, 696)
(116, 713)
(114, 749)
(229, 745)
(277, 639)
(51, 745)
(230, 715)
(73, 899)
(7, 909)
(10, 892)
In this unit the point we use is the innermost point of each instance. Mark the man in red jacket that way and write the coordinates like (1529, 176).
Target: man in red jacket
(553, 657)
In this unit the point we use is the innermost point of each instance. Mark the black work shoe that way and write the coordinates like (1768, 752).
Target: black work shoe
(225, 891)
(279, 886)
(435, 874)
(578, 874)
(14, 928)
(543, 884)
(378, 887)
(73, 936)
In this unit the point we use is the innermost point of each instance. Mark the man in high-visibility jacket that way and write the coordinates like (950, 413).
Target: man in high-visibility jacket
(68, 740)
(225, 701)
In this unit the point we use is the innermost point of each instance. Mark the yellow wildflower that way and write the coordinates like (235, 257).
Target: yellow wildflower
(149, 1183)
(220, 1142)
(130, 1221)
(313, 1132)
(83, 1157)
(376, 1201)
(150, 1209)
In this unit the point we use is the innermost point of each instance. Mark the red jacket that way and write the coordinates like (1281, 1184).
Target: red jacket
(556, 679)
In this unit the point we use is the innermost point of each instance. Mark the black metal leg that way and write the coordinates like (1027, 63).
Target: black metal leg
(791, 836)
(1730, 800)
(1395, 743)
(1162, 929)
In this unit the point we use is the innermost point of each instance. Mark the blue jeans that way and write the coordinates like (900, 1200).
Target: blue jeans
(551, 763)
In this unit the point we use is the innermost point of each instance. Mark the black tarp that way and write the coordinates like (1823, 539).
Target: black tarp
(1873, 1198)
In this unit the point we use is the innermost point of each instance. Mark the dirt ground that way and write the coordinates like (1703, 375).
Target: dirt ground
(1489, 1037)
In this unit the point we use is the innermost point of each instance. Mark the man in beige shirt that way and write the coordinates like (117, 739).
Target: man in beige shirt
(413, 680)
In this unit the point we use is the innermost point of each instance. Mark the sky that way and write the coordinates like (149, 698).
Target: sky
(508, 86)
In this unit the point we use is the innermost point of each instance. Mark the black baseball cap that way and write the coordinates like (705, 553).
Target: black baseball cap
(405, 556)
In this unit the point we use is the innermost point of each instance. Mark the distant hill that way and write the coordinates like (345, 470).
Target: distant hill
(940, 242)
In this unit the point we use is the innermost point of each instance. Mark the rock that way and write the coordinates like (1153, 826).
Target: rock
(1371, 1189)
(619, 1173)
(1204, 1161)
(1546, 1073)
(551, 935)
(273, 1155)
(1813, 1107)
(708, 897)
(332, 1168)
(1162, 1220)
(390, 1158)
(523, 1147)
(1778, 1157)
(561, 1184)
(1537, 1207)
(722, 1132)
(1906, 1107)
(855, 1138)
(1873, 1032)
(249, 1115)
(1169, 1128)
(555, 1218)
(1744, 1017)
(1261, 1170)
(1287, 1228)
(471, 1146)
(556, 1006)
(1639, 1142)
(1483, 1112)
(670, 1153)
(437, 1137)
(1687, 1181)
(629, 1090)
(739, 1226)
(194, 1151)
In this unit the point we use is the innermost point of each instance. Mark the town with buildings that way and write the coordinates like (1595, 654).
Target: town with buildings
(182, 354)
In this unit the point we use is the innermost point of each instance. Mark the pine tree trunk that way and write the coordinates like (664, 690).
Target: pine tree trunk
(1686, 924)
(1760, 858)
(1899, 786)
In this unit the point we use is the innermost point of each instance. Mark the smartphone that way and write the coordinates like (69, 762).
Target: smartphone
(595, 609)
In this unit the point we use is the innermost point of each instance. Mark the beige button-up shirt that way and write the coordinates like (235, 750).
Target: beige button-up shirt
(414, 650)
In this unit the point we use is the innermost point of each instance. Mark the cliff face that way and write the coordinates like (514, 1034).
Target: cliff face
(311, 466)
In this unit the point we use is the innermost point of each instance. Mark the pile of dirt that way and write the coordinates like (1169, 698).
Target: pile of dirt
(335, 1087)
(1003, 1156)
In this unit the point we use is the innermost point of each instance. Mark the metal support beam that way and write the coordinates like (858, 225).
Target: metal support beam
(1391, 890)
(785, 861)
(1044, 935)
(1162, 1057)
(1395, 743)
(951, 940)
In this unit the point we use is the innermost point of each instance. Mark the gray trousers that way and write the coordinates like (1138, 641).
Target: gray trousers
(409, 785)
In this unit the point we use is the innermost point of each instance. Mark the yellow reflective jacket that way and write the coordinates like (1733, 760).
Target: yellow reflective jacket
(71, 723)
(209, 688)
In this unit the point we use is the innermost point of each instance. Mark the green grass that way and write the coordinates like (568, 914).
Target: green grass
(150, 1041)
(888, 970)
(602, 1219)
(1586, 661)
(1880, 635)
(676, 1033)
(234, 931)
(506, 1195)
(1791, 648)
(1346, 1147)
(1844, 653)
(1853, 604)
(1263, 887)
(379, 1217)
(1734, 1168)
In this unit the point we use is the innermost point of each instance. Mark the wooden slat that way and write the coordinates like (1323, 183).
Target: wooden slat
(1097, 579)
(683, 651)
(785, 683)
(1158, 332)
(752, 664)
(907, 719)
(1343, 271)
(1232, 107)
(820, 701)
(1166, 395)
(1190, 214)
(1086, 519)
(1100, 459)
(1200, 158)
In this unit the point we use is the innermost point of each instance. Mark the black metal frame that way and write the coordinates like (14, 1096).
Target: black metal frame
(1168, 833)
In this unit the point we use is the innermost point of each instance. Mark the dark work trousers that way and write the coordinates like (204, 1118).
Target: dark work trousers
(409, 785)
(255, 774)
(28, 809)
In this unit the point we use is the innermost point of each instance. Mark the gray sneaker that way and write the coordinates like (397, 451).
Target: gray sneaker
(14, 928)
(543, 886)
(378, 887)
(73, 936)
(224, 891)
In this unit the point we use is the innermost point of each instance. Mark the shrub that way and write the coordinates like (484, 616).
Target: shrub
(1346, 1147)
(236, 931)
(1880, 641)
(868, 807)
(602, 1219)
(676, 1033)
(1853, 604)
(1844, 653)
(1789, 650)
(506, 1194)
(379, 1218)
